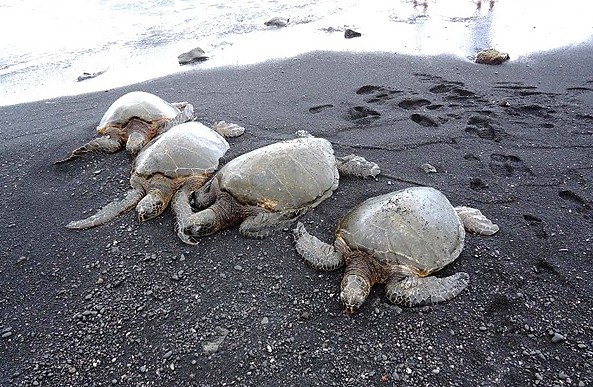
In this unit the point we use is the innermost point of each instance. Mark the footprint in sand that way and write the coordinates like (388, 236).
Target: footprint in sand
(357, 112)
(455, 90)
(478, 184)
(413, 103)
(485, 127)
(537, 225)
(507, 165)
(578, 204)
(424, 120)
(320, 108)
(378, 94)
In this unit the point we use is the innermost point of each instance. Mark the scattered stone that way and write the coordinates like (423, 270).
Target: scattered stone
(265, 320)
(427, 168)
(557, 337)
(6, 334)
(238, 267)
(306, 315)
(277, 22)
(213, 345)
(143, 369)
(349, 34)
(21, 259)
(195, 55)
(86, 75)
(492, 57)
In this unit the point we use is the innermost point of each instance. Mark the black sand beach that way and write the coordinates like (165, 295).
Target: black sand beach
(129, 304)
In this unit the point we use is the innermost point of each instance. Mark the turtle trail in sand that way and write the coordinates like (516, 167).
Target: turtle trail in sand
(136, 118)
(186, 155)
(399, 239)
(266, 189)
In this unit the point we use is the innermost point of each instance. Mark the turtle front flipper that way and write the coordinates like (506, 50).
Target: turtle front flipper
(412, 290)
(263, 223)
(474, 221)
(104, 144)
(110, 211)
(180, 204)
(357, 166)
(318, 254)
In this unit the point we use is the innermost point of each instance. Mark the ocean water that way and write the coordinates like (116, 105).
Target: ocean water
(46, 46)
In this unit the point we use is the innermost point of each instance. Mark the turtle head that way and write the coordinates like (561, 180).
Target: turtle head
(136, 141)
(150, 206)
(201, 224)
(355, 289)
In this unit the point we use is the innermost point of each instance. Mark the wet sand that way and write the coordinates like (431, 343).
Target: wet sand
(129, 304)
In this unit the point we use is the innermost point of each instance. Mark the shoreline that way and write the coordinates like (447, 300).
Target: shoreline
(129, 304)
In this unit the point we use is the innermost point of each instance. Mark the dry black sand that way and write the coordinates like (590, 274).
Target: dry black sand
(129, 304)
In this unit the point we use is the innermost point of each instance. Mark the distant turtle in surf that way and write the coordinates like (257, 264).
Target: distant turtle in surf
(184, 156)
(134, 119)
(277, 22)
(266, 189)
(398, 239)
(491, 57)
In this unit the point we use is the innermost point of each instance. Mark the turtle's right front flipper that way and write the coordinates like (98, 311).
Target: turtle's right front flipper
(110, 211)
(103, 144)
(318, 254)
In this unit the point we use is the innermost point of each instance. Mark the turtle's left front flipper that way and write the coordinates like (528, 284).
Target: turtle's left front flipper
(412, 290)
(474, 221)
(315, 252)
(110, 211)
(357, 166)
(103, 144)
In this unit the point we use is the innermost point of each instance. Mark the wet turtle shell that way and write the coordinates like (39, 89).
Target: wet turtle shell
(282, 176)
(415, 227)
(137, 104)
(184, 150)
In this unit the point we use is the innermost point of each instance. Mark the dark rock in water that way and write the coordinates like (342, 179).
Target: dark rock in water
(195, 55)
(492, 57)
(86, 75)
(277, 22)
(349, 34)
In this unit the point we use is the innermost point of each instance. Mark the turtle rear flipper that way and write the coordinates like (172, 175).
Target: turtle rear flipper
(474, 221)
(357, 166)
(416, 291)
(264, 223)
(110, 211)
(228, 129)
(103, 144)
(318, 254)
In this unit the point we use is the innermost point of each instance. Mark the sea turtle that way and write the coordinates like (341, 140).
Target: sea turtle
(398, 238)
(134, 119)
(267, 188)
(185, 155)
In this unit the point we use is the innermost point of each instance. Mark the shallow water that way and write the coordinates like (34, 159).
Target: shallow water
(46, 46)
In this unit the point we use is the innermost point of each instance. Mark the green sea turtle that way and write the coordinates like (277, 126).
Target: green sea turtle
(398, 239)
(267, 188)
(186, 155)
